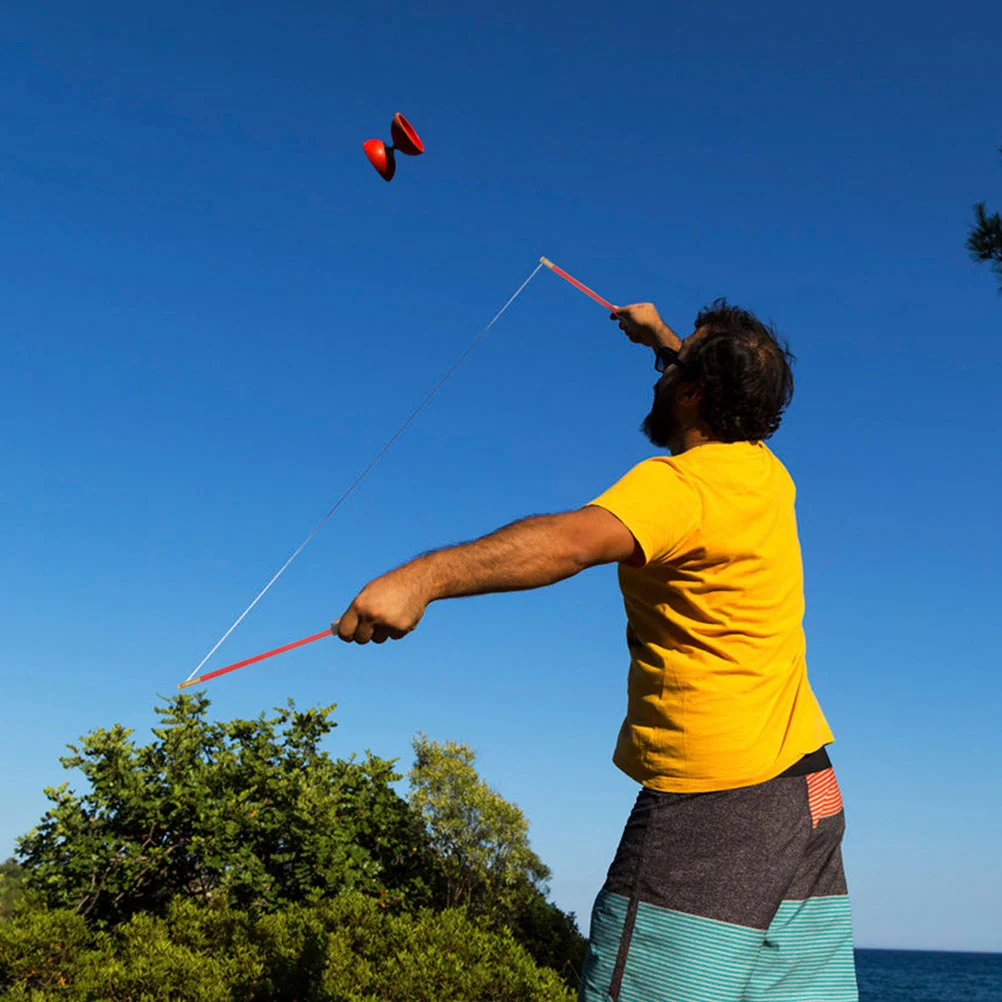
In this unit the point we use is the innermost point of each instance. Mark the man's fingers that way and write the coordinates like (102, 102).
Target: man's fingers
(351, 628)
(379, 612)
(347, 624)
(381, 633)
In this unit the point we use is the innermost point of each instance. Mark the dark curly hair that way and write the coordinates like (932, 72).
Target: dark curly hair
(744, 371)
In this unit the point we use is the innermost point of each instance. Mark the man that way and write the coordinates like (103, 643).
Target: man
(728, 881)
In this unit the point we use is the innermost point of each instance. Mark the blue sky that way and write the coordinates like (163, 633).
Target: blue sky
(214, 313)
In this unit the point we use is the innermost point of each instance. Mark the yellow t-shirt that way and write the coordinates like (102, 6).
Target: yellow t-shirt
(718, 695)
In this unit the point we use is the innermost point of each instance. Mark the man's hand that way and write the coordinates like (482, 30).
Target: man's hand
(387, 608)
(643, 325)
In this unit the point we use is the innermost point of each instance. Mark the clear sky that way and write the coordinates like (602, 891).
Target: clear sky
(214, 312)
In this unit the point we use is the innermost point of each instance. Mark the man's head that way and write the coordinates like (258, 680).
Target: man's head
(731, 382)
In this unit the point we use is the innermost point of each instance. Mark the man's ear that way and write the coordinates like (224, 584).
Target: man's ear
(690, 394)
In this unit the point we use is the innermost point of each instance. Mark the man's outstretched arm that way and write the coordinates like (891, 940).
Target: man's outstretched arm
(530, 553)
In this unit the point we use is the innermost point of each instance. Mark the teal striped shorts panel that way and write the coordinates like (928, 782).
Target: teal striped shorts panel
(732, 896)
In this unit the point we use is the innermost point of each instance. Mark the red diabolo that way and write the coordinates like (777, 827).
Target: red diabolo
(405, 140)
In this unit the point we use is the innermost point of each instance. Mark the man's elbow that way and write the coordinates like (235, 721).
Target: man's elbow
(596, 536)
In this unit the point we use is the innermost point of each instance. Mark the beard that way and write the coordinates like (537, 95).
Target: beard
(660, 426)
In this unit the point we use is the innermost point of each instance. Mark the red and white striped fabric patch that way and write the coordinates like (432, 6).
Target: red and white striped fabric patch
(823, 795)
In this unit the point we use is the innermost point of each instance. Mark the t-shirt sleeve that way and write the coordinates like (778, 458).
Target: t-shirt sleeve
(657, 504)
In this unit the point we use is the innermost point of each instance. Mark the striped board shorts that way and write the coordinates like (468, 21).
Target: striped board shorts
(733, 896)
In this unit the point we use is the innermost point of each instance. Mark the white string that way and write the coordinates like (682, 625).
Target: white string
(375, 459)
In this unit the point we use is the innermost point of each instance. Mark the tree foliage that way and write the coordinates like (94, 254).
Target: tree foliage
(252, 811)
(11, 880)
(347, 949)
(482, 843)
(239, 861)
(984, 241)
(481, 838)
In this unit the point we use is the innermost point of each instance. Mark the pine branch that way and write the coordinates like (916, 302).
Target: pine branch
(984, 241)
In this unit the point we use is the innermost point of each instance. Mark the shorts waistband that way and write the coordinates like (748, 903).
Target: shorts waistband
(816, 761)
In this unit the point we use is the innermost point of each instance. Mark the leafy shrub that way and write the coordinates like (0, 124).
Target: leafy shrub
(348, 949)
(11, 890)
(250, 811)
(237, 860)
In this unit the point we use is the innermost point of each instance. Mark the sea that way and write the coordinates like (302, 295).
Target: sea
(923, 976)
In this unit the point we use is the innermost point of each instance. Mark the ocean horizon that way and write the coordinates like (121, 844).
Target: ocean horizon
(928, 976)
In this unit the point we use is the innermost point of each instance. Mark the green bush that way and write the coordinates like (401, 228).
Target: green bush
(40, 949)
(238, 861)
(11, 889)
(250, 811)
(348, 949)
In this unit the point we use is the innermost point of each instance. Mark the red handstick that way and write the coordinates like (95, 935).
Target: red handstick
(257, 657)
(577, 285)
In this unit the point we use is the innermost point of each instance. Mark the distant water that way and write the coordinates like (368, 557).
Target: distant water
(921, 976)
